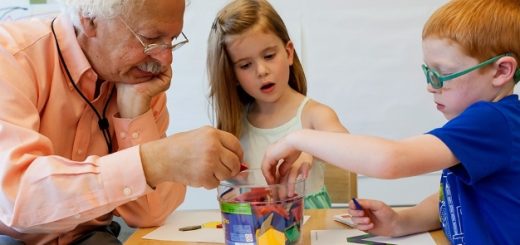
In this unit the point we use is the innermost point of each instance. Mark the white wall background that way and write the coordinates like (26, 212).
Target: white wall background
(361, 57)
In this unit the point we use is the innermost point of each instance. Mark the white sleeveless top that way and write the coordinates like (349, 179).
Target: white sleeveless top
(256, 140)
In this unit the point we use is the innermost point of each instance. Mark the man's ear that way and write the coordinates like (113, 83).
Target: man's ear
(88, 25)
(507, 70)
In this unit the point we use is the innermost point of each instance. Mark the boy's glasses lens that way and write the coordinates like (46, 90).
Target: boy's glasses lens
(434, 80)
(431, 77)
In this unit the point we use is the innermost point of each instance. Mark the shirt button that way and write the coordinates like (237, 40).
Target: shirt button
(127, 191)
(122, 135)
(135, 135)
(80, 151)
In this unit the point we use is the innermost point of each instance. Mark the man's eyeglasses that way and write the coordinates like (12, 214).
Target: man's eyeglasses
(155, 48)
(437, 80)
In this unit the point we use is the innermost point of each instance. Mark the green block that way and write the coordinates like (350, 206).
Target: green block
(38, 1)
(292, 234)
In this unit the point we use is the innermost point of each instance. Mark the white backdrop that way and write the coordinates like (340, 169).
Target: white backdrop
(362, 58)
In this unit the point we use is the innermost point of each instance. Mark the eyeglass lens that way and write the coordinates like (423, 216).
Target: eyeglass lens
(434, 80)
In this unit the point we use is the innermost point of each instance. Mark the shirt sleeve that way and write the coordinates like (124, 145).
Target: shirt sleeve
(153, 208)
(42, 192)
(481, 139)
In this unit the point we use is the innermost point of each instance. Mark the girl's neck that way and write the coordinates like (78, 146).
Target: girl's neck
(286, 101)
(272, 114)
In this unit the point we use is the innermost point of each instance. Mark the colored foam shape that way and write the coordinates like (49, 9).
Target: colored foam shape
(292, 233)
(272, 237)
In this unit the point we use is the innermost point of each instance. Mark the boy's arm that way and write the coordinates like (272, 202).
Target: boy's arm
(420, 218)
(380, 219)
(367, 155)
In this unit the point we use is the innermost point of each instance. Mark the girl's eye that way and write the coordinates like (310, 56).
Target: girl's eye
(244, 66)
(269, 56)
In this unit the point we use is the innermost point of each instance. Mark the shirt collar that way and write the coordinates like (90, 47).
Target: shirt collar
(75, 60)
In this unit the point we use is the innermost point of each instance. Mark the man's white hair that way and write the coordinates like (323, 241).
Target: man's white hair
(94, 8)
(76, 9)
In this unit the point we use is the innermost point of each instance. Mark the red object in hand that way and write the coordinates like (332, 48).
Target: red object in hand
(243, 167)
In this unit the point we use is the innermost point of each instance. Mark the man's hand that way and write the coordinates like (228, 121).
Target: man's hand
(201, 157)
(134, 99)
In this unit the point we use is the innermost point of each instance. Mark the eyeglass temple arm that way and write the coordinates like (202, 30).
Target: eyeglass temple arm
(485, 63)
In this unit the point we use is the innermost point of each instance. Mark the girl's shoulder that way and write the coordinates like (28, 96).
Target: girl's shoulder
(319, 116)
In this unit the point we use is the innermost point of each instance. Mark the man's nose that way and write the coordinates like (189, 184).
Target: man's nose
(164, 56)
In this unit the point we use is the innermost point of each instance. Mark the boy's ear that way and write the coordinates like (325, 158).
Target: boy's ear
(507, 70)
(88, 26)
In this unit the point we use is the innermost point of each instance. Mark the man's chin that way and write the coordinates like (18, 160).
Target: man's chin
(136, 80)
(140, 77)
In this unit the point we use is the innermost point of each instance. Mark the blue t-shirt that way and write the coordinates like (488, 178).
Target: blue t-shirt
(480, 197)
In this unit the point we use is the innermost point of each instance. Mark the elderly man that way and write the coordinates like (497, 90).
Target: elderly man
(83, 119)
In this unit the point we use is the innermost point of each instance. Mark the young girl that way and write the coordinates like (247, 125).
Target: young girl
(258, 87)
(471, 68)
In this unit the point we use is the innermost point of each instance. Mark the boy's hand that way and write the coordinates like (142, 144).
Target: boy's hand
(376, 217)
(283, 152)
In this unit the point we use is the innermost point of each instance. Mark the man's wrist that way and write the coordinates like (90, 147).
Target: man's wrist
(134, 108)
(151, 167)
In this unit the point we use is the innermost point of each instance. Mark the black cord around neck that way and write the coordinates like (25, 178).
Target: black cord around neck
(102, 120)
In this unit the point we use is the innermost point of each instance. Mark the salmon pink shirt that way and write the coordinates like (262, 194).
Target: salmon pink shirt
(57, 179)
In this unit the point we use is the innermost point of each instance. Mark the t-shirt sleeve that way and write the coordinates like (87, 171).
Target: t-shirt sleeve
(480, 138)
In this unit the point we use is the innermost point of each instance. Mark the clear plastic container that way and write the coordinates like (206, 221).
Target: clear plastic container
(256, 213)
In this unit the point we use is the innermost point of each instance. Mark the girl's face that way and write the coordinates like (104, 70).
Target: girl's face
(446, 57)
(261, 63)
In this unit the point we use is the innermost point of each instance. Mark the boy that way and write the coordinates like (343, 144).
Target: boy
(471, 69)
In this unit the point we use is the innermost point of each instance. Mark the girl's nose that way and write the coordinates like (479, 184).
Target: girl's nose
(262, 69)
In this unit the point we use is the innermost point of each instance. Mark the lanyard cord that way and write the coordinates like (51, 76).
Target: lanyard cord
(102, 120)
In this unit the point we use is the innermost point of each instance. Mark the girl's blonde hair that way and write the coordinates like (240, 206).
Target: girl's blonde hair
(228, 99)
(483, 28)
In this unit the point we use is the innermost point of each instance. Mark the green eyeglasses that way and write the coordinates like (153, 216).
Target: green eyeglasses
(437, 80)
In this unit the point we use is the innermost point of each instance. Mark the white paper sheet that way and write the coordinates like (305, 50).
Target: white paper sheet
(170, 230)
(328, 237)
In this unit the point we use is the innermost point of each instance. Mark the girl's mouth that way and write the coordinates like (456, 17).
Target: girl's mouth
(267, 87)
